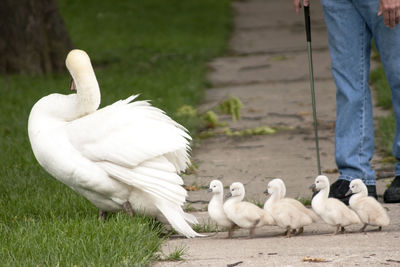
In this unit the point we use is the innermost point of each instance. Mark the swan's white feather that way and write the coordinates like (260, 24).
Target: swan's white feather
(129, 151)
(110, 133)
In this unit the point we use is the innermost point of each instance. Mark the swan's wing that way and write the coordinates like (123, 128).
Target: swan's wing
(140, 146)
(129, 133)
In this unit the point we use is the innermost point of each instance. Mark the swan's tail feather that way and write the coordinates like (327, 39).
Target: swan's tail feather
(177, 218)
(190, 218)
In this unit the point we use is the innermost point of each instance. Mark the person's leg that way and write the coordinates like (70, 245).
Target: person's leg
(349, 44)
(388, 44)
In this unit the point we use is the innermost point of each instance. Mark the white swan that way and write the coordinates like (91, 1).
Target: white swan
(216, 206)
(368, 208)
(331, 210)
(123, 156)
(245, 214)
(288, 213)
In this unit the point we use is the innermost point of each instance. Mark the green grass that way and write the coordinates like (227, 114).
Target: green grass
(156, 48)
(386, 125)
(385, 134)
(382, 88)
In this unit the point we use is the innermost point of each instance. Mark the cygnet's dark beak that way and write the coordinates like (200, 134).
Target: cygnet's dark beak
(209, 190)
(72, 85)
(348, 193)
(228, 195)
(313, 187)
(266, 191)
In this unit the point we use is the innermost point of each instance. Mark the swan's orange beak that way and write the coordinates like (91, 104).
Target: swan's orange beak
(72, 85)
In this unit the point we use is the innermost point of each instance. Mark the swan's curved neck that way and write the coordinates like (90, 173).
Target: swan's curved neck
(363, 192)
(235, 199)
(219, 197)
(88, 92)
(276, 196)
(324, 192)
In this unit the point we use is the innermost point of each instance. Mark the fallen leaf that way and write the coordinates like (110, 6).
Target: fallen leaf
(191, 188)
(310, 259)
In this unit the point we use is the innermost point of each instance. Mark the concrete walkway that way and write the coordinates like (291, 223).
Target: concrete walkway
(267, 69)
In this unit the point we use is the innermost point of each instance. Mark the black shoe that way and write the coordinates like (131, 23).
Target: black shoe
(392, 194)
(340, 187)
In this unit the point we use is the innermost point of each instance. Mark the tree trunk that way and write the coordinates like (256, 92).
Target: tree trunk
(33, 38)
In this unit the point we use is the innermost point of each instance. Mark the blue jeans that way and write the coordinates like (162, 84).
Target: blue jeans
(351, 25)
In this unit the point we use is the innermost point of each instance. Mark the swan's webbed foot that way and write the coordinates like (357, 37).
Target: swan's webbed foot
(102, 215)
(128, 209)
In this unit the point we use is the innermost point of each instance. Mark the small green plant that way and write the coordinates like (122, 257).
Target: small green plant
(257, 202)
(186, 111)
(189, 208)
(210, 119)
(175, 255)
(206, 134)
(231, 106)
(304, 201)
(206, 227)
(262, 130)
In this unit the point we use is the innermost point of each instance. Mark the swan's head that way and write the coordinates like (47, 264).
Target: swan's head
(357, 186)
(216, 187)
(236, 190)
(321, 182)
(84, 80)
(276, 186)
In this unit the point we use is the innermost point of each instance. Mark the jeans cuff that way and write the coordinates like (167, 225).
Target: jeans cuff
(350, 178)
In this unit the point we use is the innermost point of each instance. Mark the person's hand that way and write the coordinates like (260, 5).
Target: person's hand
(297, 4)
(390, 9)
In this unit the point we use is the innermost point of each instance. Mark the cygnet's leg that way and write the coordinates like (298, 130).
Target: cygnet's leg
(230, 232)
(289, 231)
(300, 231)
(363, 228)
(251, 234)
(102, 215)
(128, 208)
(337, 229)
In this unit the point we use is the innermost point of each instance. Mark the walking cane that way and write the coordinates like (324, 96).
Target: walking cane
(311, 71)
